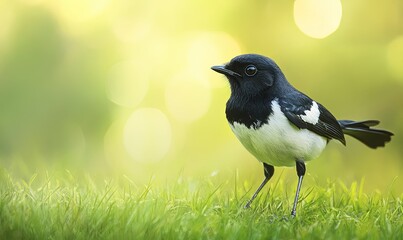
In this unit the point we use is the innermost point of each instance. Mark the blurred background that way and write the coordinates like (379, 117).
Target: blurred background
(106, 88)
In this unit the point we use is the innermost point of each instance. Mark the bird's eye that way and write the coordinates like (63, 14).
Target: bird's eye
(250, 70)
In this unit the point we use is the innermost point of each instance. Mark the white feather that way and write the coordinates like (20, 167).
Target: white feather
(278, 142)
(311, 115)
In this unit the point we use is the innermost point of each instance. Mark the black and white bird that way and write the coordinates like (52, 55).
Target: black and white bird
(278, 124)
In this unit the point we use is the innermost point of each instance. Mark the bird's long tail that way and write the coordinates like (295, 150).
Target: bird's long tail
(363, 132)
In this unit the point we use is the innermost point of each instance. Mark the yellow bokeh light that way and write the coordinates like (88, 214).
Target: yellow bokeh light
(7, 19)
(187, 97)
(128, 83)
(147, 135)
(317, 18)
(130, 31)
(32, 2)
(395, 57)
(77, 16)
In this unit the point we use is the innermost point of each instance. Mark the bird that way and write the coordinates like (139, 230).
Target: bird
(281, 126)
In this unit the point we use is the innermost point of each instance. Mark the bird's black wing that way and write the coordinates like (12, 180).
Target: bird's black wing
(295, 107)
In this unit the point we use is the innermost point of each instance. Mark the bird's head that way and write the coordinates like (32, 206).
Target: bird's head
(251, 74)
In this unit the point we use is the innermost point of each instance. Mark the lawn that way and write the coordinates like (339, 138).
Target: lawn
(58, 207)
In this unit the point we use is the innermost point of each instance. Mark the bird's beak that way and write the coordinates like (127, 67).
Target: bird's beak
(221, 69)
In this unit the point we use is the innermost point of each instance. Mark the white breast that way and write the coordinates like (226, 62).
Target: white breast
(279, 142)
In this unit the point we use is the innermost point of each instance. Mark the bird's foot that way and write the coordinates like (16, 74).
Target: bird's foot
(247, 205)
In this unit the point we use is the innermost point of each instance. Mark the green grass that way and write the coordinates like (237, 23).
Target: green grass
(191, 209)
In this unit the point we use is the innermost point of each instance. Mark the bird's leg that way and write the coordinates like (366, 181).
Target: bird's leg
(300, 165)
(268, 173)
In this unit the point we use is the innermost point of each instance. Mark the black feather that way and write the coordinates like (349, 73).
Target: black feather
(363, 132)
(294, 106)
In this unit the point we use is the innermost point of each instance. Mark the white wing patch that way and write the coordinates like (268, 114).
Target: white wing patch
(311, 115)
